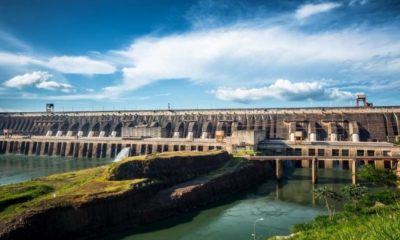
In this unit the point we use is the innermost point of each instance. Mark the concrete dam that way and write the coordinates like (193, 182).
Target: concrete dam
(336, 133)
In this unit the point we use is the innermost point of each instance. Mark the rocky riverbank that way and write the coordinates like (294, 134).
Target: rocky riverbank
(143, 202)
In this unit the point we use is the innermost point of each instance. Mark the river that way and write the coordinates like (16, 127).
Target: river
(280, 205)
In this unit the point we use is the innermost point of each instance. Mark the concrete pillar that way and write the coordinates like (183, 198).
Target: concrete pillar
(80, 133)
(379, 164)
(138, 149)
(190, 136)
(313, 137)
(279, 169)
(69, 134)
(30, 151)
(113, 134)
(328, 163)
(108, 151)
(176, 135)
(59, 134)
(90, 134)
(42, 147)
(49, 133)
(102, 134)
(353, 163)
(204, 135)
(355, 137)
(292, 137)
(314, 170)
(94, 150)
(80, 149)
(67, 148)
(333, 137)
(305, 163)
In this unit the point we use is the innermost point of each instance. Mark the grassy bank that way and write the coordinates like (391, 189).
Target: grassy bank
(71, 188)
(366, 215)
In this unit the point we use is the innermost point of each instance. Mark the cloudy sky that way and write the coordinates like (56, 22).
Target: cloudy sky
(139, 54)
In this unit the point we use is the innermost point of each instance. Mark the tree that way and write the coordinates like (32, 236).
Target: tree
(378, 177)
(328, 196)
(354, 192)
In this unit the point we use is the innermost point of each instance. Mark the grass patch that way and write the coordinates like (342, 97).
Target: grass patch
(60, 189)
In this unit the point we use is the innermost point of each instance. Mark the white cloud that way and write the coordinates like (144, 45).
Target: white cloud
(62, 64)
(80, 65)
(53, 85)
(283, 90)
(38, 79)
(308, 10)
(27, 79)
(253, 52)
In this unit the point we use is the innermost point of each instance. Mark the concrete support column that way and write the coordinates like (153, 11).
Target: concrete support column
(108, 151)
(204, 135)
(30, 151)
(138, 149)
(90, 134)
(59, 134)
(379, 164)
(292, 137)
(55, 145)
(80, 150)
(314, 170)
(67, 148)
(102, 134)
(333, 137)
(69, 134)
(176, 135)
(313, 137)
(353, 163)
(113, 134)
(42, 147)
(79, 134)
(328, 164)
(305, 163)
(279, 169)
(355, 137)
(190, 136)
(94, 150)
(49, 133)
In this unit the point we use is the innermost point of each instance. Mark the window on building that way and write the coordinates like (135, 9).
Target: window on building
(360, 153)
(345, 152)
(370, 153)
(311, 152)
(335, 152)
(321, 152)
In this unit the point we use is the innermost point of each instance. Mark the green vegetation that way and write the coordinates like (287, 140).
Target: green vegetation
(328, 196)
(378, 177)
(243, 153)
(75, 188)
(60, 189)
(366, 215)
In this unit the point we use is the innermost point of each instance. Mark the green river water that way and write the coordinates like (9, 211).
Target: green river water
(280, 204)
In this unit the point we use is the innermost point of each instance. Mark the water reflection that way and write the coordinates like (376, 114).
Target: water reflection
(280, 204)
(18, 168)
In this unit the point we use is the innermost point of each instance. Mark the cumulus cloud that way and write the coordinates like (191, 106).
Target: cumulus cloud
(283, 89)
(308, 10)
(228, 55)
(38, 79)
(27, 79)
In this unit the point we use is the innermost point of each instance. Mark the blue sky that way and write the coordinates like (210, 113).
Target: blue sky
(94, 55)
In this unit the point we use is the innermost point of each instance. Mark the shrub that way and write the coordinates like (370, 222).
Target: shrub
(378, 177)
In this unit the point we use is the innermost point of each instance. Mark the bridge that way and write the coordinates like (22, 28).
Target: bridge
(354, 161)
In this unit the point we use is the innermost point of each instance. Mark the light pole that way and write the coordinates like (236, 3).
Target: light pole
(254, 227)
